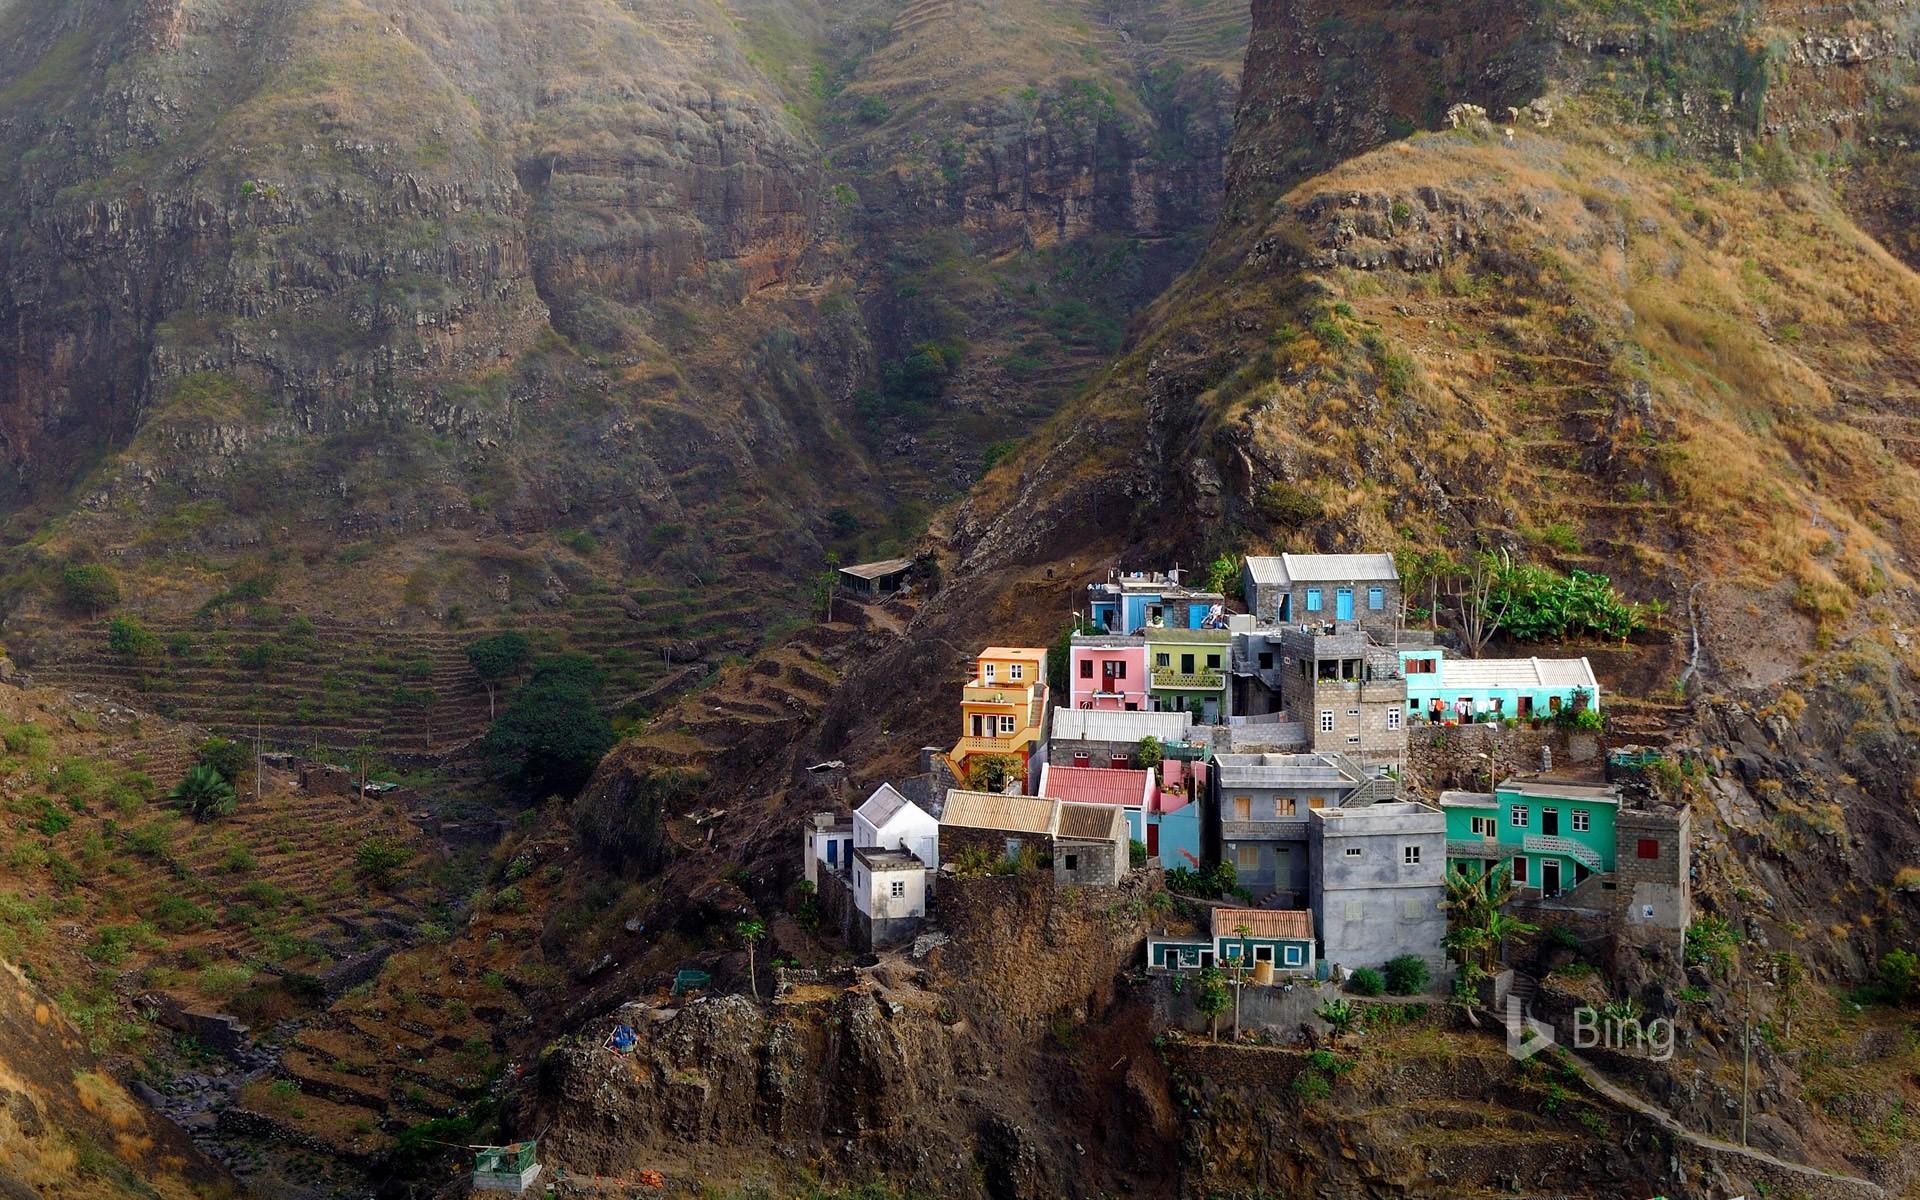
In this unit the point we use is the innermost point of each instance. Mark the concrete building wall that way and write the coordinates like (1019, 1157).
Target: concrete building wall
(1653, 896)
(1376, 905)
(1097, 863)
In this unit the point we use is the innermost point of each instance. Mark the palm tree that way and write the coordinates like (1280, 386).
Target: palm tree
(751, 931)
(1478, 923)
(204, 793)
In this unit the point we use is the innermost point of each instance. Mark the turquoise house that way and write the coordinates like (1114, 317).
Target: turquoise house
(1554, 835)
(1246, 937)
(1462, 690)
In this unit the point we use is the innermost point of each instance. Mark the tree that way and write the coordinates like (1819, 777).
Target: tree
(203, 793)
(1900, 976)
(1339, 1014)
(825, 586)
(89, 587)
(1477, 924)
(1788, 973)
(992, 772)
(1222, 574)
(749, 932)
(1149, 754)
(1479, 599)
(1422, 569)
(226, 756)
(1210, 997)
(552, 734)
(495, 658)
(380, 859)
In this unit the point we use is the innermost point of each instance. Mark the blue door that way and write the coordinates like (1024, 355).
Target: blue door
(1343, 605)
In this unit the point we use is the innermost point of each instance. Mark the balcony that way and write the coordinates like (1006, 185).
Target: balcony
(1194, 681)
(997, 745)
(1486, 848)
(1286, 829)
(1012, 695)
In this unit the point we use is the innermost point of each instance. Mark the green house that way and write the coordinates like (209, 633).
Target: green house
(1187, 671)
(1553, 834)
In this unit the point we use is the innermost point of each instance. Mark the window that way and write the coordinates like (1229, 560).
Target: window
(1162, 660)
(1393, 718)
(1484, 827)
(1266, 660)
(1376, 598)
(1213, 662)
(1517, 816)
(1082, 759)
(1326, 720)
(1231, 951)
(1086, 668)
(1006, 726)
(899, 888)
(1243, 808)
(1263, 954)
(1649, 848)
(1353, 852)
(1246, 858)
(1422, 666)
(1582, 820)
(1293, 956)
(1409, 856)
(833, 851)
(1353, 739)
(1016, 670)
(1119, 669)
(1073, 862)
(986, 672)
(1520, 869)
(1119, 760)
(1313, 599)
(1353, 712)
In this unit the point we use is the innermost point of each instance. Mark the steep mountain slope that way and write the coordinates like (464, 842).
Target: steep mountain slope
(432, 313)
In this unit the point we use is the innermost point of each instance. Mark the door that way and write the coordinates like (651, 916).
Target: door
(1550, 822)
(1153, 840)
(1549, 877)
(1343, 605)
(1186, 664)
(1243, 808)
(979, 730)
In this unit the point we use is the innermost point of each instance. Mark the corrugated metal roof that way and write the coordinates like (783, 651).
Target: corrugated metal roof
(1093, 822)
(1105, 725)
(1518, 673)
(1339, 568)
(1267, 569)
(990, 810)
(1097, 785)
(874, 570)
(1293, 923)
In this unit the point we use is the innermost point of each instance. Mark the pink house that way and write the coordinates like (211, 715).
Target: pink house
(1109, 672)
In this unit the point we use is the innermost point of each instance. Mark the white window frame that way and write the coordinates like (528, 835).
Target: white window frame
(1354, 852)
(1393, 720)
(1484, 826)
(1582, 820)
(1519, 816)
(986, 672)
(1409, 856)
(1016, 671)
(1263, 954)
(1326, 720)
(898, 889)
(1293, 956)
(1006, 726)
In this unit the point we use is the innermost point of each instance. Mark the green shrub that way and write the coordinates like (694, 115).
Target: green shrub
(203, 794)
(1310, 1085)
(128, 638)
(379, 859)
(1366, 982)
(226, 757)
(177, 914)
(89, 587)
(1136, 853)
(1710, 942)
(1406, 975)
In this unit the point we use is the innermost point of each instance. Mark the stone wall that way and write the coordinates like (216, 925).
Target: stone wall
(1653, 897)
(1097, 864)
(1468, 756)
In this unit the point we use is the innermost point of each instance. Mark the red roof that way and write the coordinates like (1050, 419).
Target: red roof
(1098, 785)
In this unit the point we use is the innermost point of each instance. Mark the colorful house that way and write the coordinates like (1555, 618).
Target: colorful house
(1442, 689)
(1003, 710)
(1108, 673)
(1132, 792)
(1173, 819)
(1553, 834)
(1129, 601)
(1082, 737)
(1281, 936)
(890, 821)
(1187, 672)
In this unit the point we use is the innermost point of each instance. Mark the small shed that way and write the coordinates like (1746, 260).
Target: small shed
(509, 1169)
(876, 579)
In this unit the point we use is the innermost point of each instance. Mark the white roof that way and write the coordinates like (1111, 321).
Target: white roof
(884, 805)
(1323, 568)
(1107, 725)
(1519, 673)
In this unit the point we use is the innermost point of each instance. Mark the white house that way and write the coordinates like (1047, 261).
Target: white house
(828, 846)
(890, 821)
(890, 893)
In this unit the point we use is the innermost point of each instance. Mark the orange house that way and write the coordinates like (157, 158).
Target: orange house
(1003, 709)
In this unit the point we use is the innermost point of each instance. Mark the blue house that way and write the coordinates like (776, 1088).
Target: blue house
(1131, 601)
(1462, 690)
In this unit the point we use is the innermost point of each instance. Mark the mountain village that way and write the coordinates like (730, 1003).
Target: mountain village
(1254, 750)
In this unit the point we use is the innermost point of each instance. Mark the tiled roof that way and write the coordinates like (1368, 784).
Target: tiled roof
(1097, 785)
(990, 810)
(1518, 673)
(1107, 725)
(1272, 923)
(1092, 822)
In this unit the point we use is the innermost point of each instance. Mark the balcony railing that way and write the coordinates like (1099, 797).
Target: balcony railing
(1486, 848)
(1541, 843)
(998, 745)
(1206, 681)
(1283, 830)
(1013, 694)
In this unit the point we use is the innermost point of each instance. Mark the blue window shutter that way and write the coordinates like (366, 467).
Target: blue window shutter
(1376, 598)
(1313, 599)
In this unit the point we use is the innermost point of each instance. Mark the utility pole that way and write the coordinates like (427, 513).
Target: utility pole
(256, 762)
(1746, 1060)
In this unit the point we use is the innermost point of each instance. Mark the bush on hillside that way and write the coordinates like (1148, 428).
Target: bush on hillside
(379, 859)
(226, 756)
(128, 638)
(552, 734)
(1406, 975)
(1366, 982)
(89, 587)
(203, 794)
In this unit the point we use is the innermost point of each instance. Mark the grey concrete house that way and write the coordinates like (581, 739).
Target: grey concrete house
(1379, 875)
(1290, 589)
(1263, 801)
(1347, 690)
(1090, 846)
(1653, 893)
